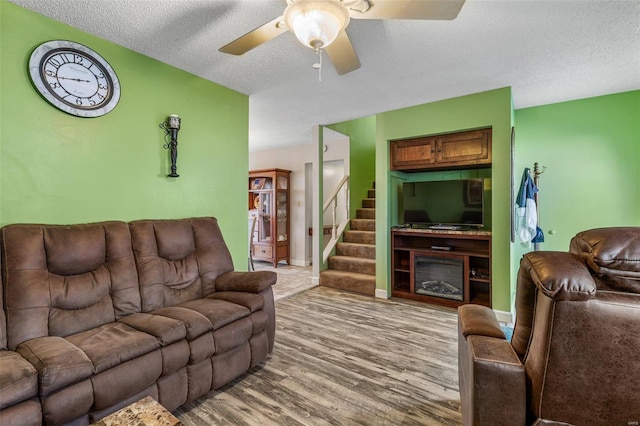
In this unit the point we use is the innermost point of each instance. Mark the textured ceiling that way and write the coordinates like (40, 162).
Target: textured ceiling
(547, 51)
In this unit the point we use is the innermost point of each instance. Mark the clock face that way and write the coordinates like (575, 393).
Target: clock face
(74, 78)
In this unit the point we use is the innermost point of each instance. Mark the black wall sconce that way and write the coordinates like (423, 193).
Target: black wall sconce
(171, 128)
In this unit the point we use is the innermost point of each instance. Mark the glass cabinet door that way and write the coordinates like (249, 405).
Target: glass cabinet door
(281, 228)
(264, 216)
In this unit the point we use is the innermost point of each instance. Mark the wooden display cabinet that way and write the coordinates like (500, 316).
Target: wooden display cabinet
(469, 254)
(269, 202)
(441, 152)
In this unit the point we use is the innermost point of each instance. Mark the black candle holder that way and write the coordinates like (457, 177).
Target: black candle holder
(171, 128)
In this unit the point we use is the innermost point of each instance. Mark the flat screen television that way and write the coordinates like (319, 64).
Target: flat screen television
(455, 203)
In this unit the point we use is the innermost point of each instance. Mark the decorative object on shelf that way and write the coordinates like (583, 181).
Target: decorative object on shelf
(74, 78)
(172, 127)
(258, 183)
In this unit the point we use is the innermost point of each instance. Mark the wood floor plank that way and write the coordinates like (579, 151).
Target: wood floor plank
(346, 359)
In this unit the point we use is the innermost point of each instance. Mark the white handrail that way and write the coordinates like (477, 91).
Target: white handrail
(336, 228)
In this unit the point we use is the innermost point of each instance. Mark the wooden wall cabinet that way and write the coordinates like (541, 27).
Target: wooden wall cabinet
(470, 249)
(269, 202)
(453, 150)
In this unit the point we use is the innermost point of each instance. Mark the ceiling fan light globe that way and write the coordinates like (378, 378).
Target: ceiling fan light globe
(316, 23)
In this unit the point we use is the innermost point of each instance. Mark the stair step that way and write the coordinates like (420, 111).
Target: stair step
(371, 193)
(367, 251)
(369, 203)
(362, 237)
(363, 224)
(353, 264)
(365, 213)
(349, 281)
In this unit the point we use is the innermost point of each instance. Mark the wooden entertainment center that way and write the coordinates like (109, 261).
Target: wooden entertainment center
(449, 267)
(470, 249)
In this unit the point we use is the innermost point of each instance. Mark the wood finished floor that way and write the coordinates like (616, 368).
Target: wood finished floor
(345, 359)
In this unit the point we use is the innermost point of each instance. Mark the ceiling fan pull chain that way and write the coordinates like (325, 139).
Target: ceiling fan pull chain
(318, 65)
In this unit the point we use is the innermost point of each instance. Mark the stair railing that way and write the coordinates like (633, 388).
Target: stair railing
(336, 228)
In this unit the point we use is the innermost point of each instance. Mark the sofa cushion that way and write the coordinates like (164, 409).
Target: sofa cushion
(610, 251)
(195, 323)
(59, 362)
(112, 344)
(218, 312)
(166, 330)
(64, 279)
(26, 413)
(178, 260)
(232, 335)
(18, 379)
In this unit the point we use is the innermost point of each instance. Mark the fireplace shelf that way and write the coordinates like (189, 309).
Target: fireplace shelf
(449, 268)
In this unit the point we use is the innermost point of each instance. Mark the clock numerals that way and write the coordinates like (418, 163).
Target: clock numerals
(66, 58)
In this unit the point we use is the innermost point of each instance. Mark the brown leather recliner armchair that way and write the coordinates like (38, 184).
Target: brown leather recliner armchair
(575, 353)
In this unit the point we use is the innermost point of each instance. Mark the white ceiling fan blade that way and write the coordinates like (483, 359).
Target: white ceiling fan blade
(342, 55)
(410, 9)
(255, 38)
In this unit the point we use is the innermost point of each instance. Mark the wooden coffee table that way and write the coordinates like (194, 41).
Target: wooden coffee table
(146, 412)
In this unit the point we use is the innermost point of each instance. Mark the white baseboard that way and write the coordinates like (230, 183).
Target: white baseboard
(382, 294)
(296, 262)
(504, 316)
(315, 280)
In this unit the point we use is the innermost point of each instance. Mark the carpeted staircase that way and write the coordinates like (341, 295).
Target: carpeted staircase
(353, 268)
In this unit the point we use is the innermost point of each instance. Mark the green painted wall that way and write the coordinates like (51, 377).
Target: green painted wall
(591, 151)
(590, 148)
(362, 145)
(487, 109)
(58, 168)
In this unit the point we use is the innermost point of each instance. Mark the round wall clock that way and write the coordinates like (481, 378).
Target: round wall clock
(74, 78)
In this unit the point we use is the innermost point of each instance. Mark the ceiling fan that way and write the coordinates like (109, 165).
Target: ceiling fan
(320, 24)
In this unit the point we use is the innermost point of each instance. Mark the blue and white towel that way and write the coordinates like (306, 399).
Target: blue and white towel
(526, 211)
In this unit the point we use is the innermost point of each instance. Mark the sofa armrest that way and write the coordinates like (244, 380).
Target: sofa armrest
(59, 362)
(250, 282)
(478, 320)
(491, 377)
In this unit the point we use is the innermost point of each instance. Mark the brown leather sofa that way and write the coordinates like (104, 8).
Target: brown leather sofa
(574, 358)
(97, 316)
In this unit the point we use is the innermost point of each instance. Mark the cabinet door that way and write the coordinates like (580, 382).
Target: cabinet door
(464, 149)
(265, 231)
(282, 214)
(413, 154)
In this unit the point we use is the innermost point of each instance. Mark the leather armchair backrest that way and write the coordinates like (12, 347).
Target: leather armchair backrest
(578, 318)
(178, 260)
(610, 251)
(60, 280)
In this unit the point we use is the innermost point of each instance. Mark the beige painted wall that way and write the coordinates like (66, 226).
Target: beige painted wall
(295, 158)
